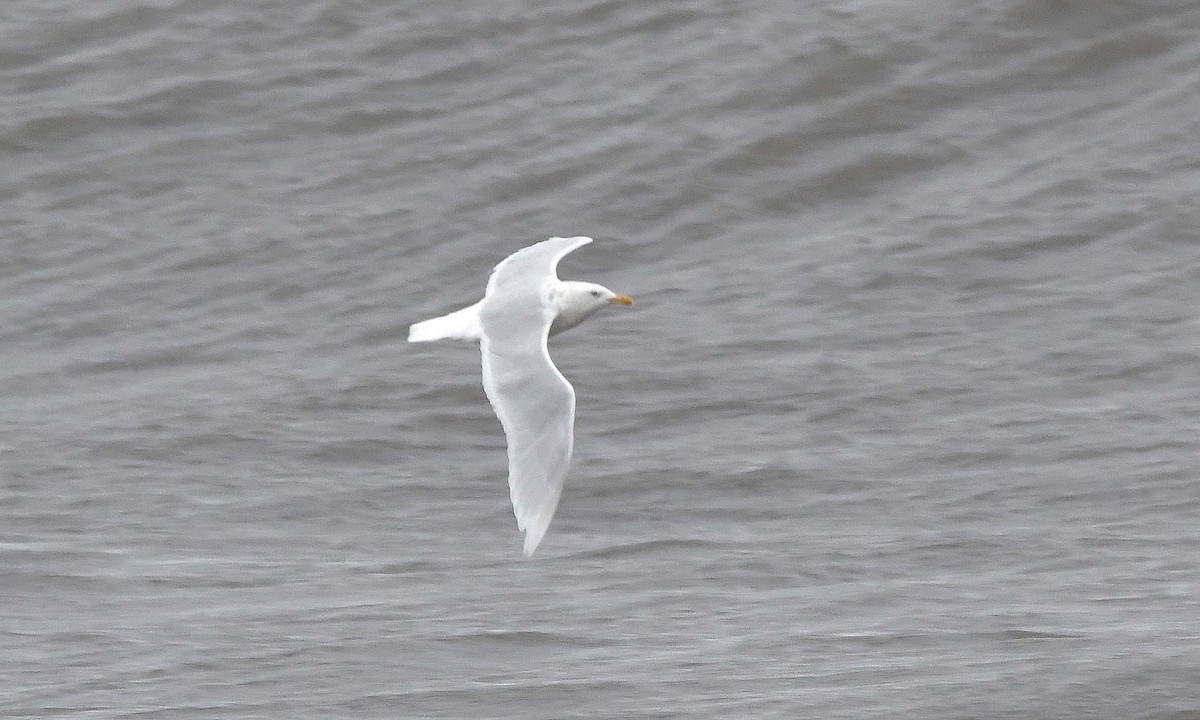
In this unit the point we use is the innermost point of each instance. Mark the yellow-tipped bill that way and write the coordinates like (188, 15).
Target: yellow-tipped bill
(622, 300)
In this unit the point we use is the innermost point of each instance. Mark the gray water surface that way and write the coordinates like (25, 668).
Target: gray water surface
(903, 424)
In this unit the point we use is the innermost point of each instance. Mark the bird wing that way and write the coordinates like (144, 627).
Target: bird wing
(535, 403)
(534, 264)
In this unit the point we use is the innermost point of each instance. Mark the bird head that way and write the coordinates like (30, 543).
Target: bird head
(577, 301)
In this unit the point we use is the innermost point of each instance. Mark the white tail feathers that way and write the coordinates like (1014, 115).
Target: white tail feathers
(458, 325)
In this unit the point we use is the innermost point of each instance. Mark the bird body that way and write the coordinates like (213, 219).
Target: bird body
(525, 303)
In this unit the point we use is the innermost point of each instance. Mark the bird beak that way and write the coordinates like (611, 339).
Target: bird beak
(622, 300)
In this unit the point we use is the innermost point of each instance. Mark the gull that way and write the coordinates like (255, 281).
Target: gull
(523, 305)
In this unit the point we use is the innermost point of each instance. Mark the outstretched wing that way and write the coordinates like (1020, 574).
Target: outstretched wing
(532, 266)
(535, 403)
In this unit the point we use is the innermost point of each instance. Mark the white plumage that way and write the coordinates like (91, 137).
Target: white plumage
(524, 303)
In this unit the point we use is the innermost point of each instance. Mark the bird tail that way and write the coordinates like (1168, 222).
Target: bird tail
(458, 325)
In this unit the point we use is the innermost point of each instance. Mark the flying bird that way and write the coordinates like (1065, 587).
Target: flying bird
(523, 305)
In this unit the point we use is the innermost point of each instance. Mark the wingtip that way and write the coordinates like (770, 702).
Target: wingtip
(532, 540)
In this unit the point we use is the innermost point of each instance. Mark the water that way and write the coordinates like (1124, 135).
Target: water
(903, 425)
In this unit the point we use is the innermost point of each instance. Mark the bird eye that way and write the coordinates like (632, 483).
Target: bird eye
(595, 293)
